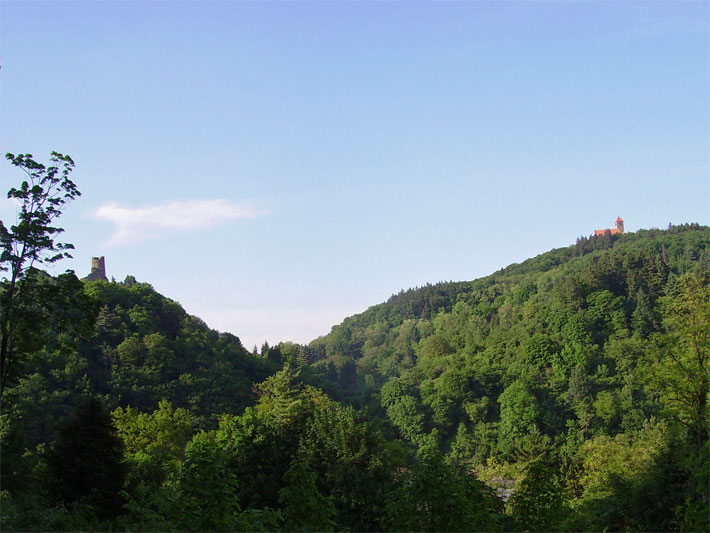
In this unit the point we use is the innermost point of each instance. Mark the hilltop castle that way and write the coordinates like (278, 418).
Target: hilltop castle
(98, 270)
(618, 229)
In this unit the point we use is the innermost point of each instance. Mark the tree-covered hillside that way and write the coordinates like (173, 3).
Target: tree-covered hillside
(573, 385)
(584, 369)
(140, 348)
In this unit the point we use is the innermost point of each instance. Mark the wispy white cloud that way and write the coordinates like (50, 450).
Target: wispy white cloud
(135, 224)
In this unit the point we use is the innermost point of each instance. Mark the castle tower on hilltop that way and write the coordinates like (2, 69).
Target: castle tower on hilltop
(98, 269)
(619, 229)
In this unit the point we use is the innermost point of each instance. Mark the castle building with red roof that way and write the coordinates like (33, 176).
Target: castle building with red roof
(618, 229)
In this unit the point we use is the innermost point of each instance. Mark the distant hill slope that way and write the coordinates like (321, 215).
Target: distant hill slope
(566, 330)
(679, 248)
(143, 348)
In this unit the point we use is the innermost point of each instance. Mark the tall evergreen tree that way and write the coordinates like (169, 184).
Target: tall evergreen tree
(86, 462)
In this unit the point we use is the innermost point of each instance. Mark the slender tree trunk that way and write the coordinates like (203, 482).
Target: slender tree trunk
(5, 332)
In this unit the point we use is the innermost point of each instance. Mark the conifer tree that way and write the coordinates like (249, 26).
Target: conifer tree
(86, 462)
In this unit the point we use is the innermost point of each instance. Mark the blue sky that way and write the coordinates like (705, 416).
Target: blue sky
(278, 166)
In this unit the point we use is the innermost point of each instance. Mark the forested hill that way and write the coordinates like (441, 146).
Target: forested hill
(141, 348)
(632, 266)
(568, 392)
(591, 362)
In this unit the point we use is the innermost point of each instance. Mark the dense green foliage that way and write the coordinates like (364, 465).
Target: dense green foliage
(142, 349)
(577, 381)
(30, 242)
(604, 342)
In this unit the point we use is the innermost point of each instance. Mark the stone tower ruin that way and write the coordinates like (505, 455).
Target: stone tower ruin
(98, 269)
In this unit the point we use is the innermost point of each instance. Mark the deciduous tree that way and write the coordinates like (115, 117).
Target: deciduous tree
(41, 198)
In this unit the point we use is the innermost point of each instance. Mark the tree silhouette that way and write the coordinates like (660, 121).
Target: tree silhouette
(86, 462)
